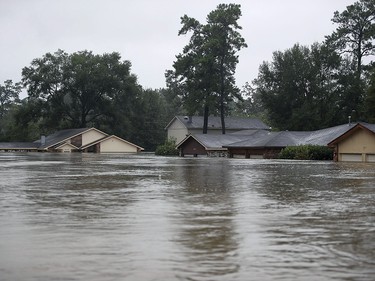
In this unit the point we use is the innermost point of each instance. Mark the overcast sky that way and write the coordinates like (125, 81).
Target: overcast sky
(145, 31)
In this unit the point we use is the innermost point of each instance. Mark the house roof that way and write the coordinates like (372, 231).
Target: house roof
(109, 137)
(63, 135)
(214, 123)
(60, 139)
(270, 139)
(352, 130)
(291, 138)
(18, 145)
(216, 142)
(64, 144)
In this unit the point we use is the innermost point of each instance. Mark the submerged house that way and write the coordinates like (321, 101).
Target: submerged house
(355, 145)
(210, 145)
(350, 142)
(269, 144)
(71, 140)
(182, 126)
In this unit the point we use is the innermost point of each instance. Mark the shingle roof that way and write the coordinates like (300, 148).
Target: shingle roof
(324, 136)
(215, 141)
(18, 145)
(60, 136)
(352, 129)
(291, 138)
(109, 137)
(371, 127)
(271, 139)
(214, 123)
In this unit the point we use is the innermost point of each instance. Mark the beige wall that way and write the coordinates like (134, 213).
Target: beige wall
(91, 136)
(114, 145)
(361, 142)
(177, 130)
(65, 148)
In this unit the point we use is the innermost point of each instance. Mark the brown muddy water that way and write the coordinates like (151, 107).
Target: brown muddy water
(116, 217)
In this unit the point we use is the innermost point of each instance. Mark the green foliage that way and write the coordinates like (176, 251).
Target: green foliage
(77, 89)
(167, 149)
(355, 32)
(204, 72)
(297, 88)
(9, 100)
(9, 95)
(306, 152)
(370, 100)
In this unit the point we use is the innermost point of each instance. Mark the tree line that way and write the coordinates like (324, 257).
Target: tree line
(301, 88)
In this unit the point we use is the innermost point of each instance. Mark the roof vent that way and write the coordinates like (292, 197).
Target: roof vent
(189, 119)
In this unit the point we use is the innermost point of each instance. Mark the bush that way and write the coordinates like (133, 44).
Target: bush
(307, 152)
(167, 149)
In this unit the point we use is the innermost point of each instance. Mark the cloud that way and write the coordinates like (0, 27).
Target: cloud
(145, 32)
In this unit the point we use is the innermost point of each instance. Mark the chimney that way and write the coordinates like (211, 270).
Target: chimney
(42, 140)
(189, 119)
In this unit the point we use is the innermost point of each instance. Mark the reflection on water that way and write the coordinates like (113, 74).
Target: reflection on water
(115, 217)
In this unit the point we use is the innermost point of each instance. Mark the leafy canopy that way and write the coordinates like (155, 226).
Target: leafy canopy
(78, 88)
(204, 71)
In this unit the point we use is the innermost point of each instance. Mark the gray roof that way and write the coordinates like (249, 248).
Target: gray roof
(18, 145)
(215, 141)
(292, 138)
(214, 123)
(60, 136)
(371, 127)
(270, 139)
(51, 140)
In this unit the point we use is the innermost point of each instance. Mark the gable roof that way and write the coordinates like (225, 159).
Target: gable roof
(63, 135)
(291, 138)
(359, 126)
(18, 145)
(324, 136)
(216, 142)
(64, 144)
(271, 139)
(214, 123)
(109, 137)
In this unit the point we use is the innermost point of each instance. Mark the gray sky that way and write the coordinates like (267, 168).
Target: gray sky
(145, 31)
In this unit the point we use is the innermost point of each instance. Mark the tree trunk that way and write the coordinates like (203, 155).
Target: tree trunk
(205, 119)
(222, 115)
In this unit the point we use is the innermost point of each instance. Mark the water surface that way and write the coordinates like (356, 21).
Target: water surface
(116, 217)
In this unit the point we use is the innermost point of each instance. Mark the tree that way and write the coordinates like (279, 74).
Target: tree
(354, 38)
(76, 90)
(205, 70)
(9, 95)
(355, 32)
(370, 100)
(298, 88)
(9, 101)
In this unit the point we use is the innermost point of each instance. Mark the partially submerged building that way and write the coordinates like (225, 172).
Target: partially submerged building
(349, 142)
(355, 145)
(182, 126)
(75, 140)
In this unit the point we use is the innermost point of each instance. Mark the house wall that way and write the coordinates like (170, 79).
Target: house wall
(114, 145)
(192, 147)
(359, 146)
(76, 141)
(91, 136)
(177, 130)
(253, 153)
(65, 148)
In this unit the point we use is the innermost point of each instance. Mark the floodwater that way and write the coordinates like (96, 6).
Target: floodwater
(142, 217)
